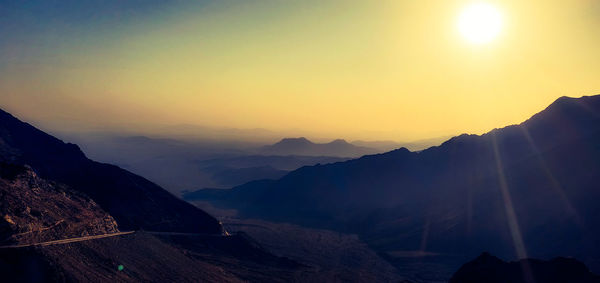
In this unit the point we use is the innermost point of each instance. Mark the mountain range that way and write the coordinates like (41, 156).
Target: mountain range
(180, 165)
(527, 190)
(523, 190)
(66, 218)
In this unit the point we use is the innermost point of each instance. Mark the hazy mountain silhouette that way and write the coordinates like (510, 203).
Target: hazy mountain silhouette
(523, 190)
(490, 269)
(133, 201)
(228, 177)
(50, 191)
(302, 146)
(183, 165)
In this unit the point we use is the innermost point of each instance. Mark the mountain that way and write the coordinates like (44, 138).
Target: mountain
(60, 215)
(488, 268)
(523, 190)
(133, 201)
(302, 146)
(183, 165)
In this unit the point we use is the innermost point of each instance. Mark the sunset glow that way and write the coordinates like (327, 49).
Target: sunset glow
(371, 70)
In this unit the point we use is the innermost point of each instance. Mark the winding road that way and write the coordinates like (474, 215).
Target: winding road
(66, 241)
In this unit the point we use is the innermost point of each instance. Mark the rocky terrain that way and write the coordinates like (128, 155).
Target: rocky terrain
(35, 210)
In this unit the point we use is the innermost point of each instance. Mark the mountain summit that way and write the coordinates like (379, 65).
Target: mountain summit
(303, 146)
(516, 191)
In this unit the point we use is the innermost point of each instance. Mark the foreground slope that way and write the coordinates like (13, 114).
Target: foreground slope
(143, 257)
(528, 189)
(53, 231)
(133, 201)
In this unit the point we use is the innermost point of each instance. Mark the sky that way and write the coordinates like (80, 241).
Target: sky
(371, 70)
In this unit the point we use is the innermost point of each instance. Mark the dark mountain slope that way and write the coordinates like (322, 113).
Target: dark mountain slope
(488, 268)
(528, 189)
(148, 258)
(135, 202)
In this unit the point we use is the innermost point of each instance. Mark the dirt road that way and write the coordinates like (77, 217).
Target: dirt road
(66, 241)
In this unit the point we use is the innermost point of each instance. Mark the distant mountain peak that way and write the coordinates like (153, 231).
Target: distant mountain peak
(303, 146)
(300, 140)
(339, 141)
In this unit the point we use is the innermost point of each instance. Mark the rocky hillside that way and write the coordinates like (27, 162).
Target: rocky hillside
(34, 210)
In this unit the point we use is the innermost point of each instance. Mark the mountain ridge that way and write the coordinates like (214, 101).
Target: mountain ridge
(456, 194)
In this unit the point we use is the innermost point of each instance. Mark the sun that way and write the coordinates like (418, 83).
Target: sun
(480, 23)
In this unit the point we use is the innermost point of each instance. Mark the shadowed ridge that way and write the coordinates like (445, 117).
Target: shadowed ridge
(488, 268)
(135, 202)
(566, 118)
(523, 185)
(585, 111)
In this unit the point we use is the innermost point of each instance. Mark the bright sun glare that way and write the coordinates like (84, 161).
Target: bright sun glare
(480, 23)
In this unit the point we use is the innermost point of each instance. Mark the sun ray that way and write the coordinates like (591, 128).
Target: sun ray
(511, 216)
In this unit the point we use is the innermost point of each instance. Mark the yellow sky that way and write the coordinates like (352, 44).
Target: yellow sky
(369, 70)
